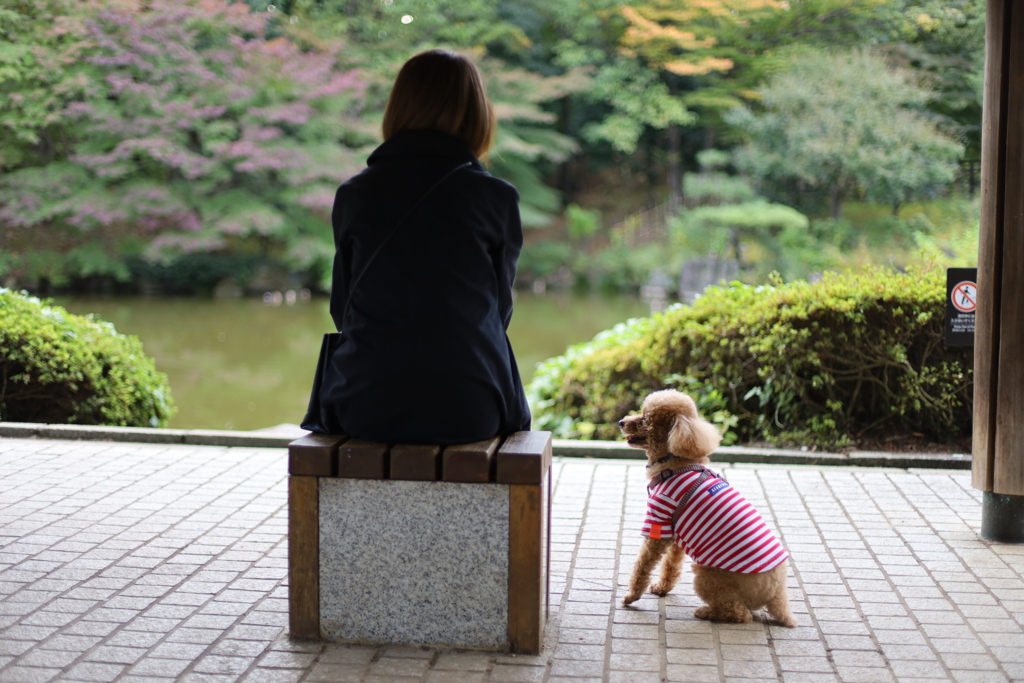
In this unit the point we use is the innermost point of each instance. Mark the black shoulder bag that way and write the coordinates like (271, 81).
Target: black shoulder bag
(320, 418)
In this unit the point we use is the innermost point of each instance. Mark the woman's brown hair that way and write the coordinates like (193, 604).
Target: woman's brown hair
(442, 90)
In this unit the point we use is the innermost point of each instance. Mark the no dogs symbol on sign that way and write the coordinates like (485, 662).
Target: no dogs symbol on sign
(961, 302)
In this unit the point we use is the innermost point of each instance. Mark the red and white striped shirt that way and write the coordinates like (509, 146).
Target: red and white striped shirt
(717, 528)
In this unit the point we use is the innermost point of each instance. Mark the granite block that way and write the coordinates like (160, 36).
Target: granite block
(414, 562)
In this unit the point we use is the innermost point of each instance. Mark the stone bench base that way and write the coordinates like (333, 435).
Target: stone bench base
(422, 562)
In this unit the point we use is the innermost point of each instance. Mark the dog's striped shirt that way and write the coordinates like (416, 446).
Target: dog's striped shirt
(717, 527)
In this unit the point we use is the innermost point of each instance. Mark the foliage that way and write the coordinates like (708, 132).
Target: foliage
(663, 63)
(381, 36)
(61, 368)
(581, 223)
(187, 130)
(818, 364)
(949, 232)
(723, 215)
(38, 41)
(622, 268)
(542, 259)
(638, 100)
(961, 251)
(756, 217)
(713, 189)
(625, 98)
(611, 268)
(941, 232)
(716, 52)
(197, 273)
(944, 41)
(527, 141)
(390, 32)
(685, 38)
(775, 228)
(123, 134)
(848, 122)
(611, 356)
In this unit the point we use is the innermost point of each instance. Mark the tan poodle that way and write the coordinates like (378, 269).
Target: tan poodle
(738, 564)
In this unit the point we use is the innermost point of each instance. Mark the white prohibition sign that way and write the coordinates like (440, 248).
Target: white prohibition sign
(964, 296)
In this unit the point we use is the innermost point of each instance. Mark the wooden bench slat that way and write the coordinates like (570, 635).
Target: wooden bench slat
(524, 458)
(415, 462)
(358, 459)
(315, 455)
(471, 463)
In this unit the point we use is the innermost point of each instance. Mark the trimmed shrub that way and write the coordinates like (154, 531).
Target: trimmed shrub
(820, 364)
(60, 368)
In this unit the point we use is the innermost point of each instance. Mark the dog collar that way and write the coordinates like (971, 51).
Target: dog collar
(661, 460)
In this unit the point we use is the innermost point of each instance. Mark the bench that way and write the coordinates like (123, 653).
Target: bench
(420, 545)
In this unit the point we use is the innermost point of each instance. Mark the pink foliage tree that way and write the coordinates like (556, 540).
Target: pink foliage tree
(181, 127)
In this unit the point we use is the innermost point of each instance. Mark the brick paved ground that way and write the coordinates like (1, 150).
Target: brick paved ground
(133, 563)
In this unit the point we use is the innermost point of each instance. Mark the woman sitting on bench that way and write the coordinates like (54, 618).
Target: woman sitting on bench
(426, 249)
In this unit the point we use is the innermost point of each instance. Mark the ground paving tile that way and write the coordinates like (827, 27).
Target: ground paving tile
(149, 563)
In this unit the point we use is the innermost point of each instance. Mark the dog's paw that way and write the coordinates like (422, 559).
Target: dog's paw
(661, 588)
(631, 598)
(789, 621)
(728, 614)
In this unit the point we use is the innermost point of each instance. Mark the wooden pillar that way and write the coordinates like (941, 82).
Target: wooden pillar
(998, 449)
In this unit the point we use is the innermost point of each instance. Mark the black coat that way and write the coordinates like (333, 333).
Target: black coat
(424, 357)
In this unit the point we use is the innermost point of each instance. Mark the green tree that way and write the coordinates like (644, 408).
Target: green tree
(391, 31)
(638, 100)
(944, 42)
(846, 122)
(712, 54)
(775, 230)
(529, 144)
(382, 35)
(622, 117)
(678, 38)
(39, 41)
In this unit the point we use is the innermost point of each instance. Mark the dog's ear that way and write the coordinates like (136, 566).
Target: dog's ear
(693, 437)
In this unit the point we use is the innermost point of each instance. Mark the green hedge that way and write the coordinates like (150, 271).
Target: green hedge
(60, 368)
(822, 364)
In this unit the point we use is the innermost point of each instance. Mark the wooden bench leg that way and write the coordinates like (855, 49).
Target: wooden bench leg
(527, 565)
(303, 557)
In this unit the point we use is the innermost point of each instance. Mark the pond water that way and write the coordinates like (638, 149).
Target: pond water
(243, 364)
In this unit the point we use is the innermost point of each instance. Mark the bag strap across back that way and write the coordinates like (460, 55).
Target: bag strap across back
(405, 216)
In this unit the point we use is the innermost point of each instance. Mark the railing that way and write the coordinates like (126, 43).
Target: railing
(645, 227)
